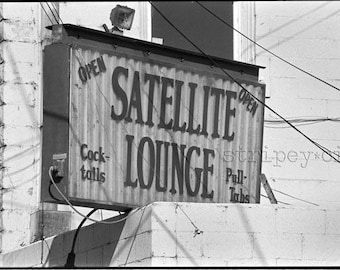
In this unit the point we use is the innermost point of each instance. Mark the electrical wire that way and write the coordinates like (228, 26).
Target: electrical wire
(134, 238)
(71, 257)
(324, 149)
(56, 11)
(294, 197)
(287, 62)
(79, 213)
(299, 122)
(46, 13)
(303, 120)
(52, 13)
(197, 230)
(276, 200)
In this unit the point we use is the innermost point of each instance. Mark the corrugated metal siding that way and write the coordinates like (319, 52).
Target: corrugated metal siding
(91, 124)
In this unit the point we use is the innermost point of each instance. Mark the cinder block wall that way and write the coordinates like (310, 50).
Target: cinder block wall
(192, 234)
(22, 39)
(21, 93)
(303, 34)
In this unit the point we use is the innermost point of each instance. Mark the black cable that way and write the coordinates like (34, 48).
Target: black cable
(46, 13)
(232, 78)
(51, 194)
(71, 257)
(302, 120)
(302, 70)
(56, 11)
(52, 13)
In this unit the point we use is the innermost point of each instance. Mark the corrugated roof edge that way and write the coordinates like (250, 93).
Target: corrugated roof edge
(137, 44)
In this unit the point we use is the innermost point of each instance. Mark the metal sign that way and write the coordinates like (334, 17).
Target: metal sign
(145, 128)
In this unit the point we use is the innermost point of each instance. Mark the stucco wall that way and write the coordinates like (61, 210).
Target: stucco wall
(193, 234)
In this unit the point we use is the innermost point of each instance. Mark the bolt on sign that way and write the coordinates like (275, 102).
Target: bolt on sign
(140, 122)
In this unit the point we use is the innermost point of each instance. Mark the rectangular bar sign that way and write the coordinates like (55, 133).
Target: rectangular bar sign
(144, 130)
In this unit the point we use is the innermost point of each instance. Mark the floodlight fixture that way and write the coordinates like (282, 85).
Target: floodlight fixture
(122, 17)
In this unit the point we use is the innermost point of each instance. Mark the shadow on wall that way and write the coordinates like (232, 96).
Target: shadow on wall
(95, 245)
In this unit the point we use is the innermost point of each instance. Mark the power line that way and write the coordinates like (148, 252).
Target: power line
(52, 13)
(302, 70)
(277, 123)
(303, 120)
(56, 11)
(46, 13)
(294, 197)
(277, 201)
(232, 78)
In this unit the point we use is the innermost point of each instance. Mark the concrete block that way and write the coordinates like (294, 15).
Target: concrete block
(250, 218)
(12, 220)
(21, 52)
(25, 94)
(188, 218)
(15, 258)
(21, 115)
(21, 73)
(115, 231)
(142, 218)
(263, 246)
(142, 246)
(206, 262)
(332, 106)
(19, 11)
(253, 262)
(332, 221)
(67, 242)
(287, 246)
(324, 247)
(301, 108)
(53, 263)
(283, 90)
(163, 261)
(108, 253)
(26, 202)
(187, 262)
(55, 222)
(140, 263)
(85, 239)
(53, 247)
(163, 244)
(101, 234)
(290, 246)
(12, 239)
(122, 253)
(95, 257)
(29, 136)
(300, 220)
(163, 216)
(190, 245)
(306, 192)
(23, 31)
(34, 255)
(228, 245)
(62, 261)
(304, 263)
